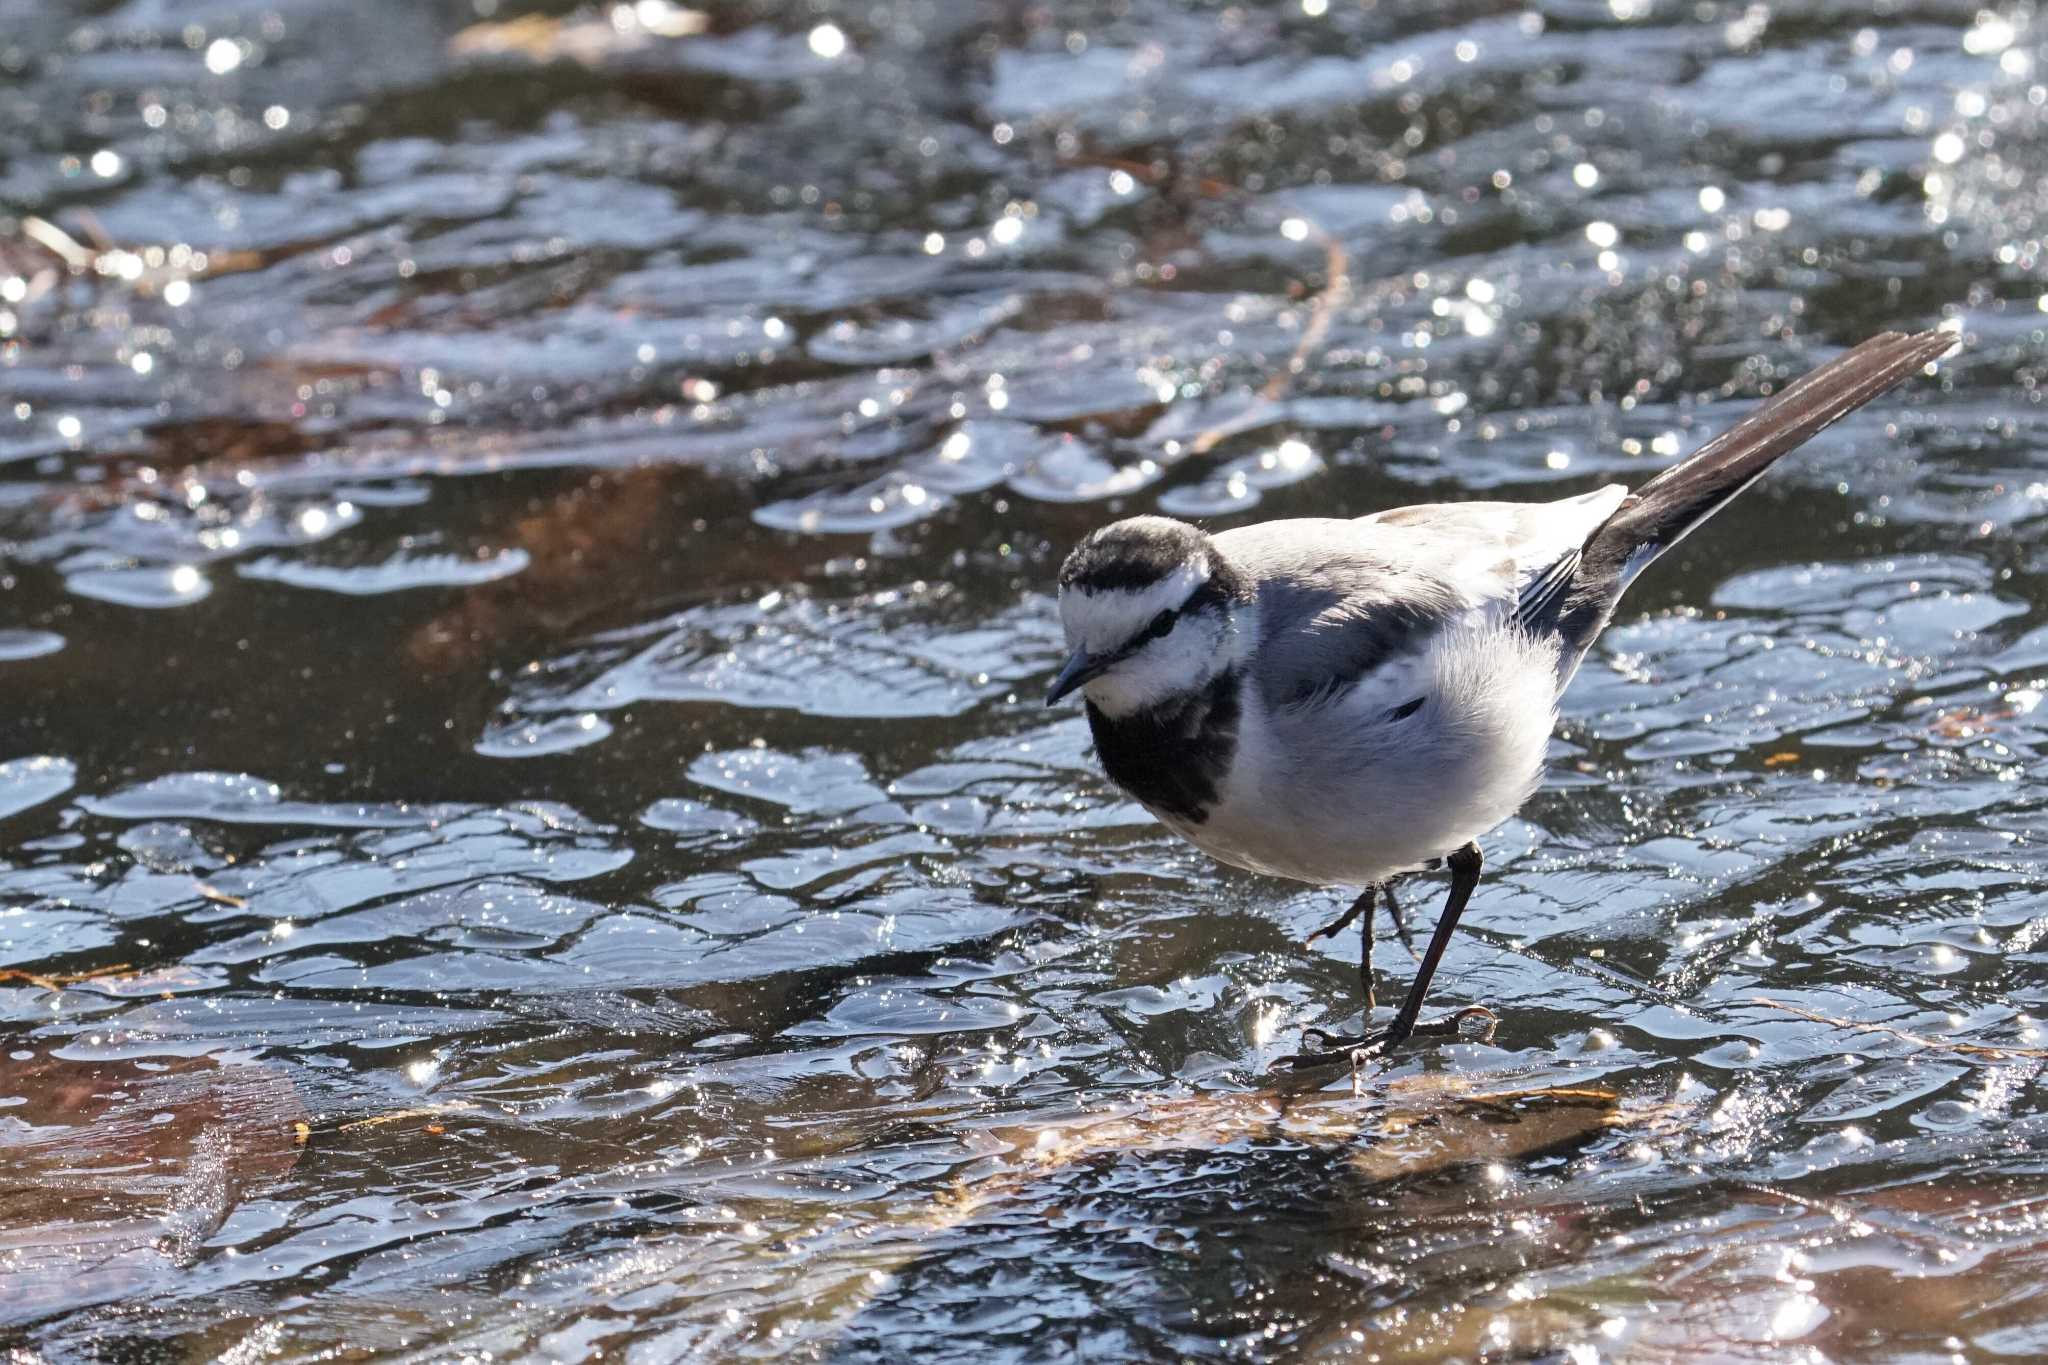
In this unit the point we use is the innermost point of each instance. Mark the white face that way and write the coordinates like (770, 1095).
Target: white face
(1103, 622)
(1184, 659)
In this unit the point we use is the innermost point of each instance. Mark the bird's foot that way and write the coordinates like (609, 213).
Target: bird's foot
(1329, 1047)
(1336, 1049)
(1333, 1049)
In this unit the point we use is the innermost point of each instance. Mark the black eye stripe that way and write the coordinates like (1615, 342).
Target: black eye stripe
(1160, 626)
(1158, 629)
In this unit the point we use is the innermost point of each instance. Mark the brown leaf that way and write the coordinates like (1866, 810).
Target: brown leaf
(585, 38)
(113, 1173)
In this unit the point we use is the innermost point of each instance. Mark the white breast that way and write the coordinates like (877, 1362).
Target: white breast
(1342, 795)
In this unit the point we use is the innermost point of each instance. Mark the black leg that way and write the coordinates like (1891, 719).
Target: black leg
(1365, 958)
(1464, 865)
(1400, 920)
(1361, 909)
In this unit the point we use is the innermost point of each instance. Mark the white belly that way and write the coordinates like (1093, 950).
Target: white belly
(1341, 795)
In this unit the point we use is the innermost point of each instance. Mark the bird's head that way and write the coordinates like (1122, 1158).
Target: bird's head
(1148, 607)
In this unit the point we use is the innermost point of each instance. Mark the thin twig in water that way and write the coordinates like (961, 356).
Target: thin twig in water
(57, 242)
(424, 1111)
(1989, 1050)
(1336, 288)
(58, 981)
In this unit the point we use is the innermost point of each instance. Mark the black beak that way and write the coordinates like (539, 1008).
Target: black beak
(1079, 668)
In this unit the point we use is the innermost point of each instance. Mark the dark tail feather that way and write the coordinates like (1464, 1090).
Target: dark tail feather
(1660, 513)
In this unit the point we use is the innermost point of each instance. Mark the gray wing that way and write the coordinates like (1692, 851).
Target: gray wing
(1540, 599)
(1341, 602)
(1499, 551)
(1324, 633)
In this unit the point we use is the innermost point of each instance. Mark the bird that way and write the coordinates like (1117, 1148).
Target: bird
(1343, 702)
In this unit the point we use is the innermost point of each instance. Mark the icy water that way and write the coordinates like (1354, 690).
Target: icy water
(527, 826)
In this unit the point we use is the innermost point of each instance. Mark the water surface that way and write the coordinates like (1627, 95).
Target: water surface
(526, 822)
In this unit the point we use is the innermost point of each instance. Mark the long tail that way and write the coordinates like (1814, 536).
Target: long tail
(1663, 511)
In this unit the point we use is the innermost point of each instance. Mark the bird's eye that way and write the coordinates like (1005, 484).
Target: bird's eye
(1161, 624)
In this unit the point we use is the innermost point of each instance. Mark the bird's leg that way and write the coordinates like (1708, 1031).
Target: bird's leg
(1361, 906)
(1400, 920)
(1365, 958)
(1361, 910)
(1464, 865)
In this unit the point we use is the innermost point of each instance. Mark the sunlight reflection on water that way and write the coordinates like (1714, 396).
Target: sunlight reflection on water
(693, 406)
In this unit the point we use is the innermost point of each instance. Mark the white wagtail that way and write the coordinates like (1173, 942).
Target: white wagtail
(1341, 702)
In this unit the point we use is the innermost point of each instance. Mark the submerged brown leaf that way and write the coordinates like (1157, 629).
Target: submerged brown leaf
(1415, 1126)
(584, 37)
(112, 1173)
(581, 548)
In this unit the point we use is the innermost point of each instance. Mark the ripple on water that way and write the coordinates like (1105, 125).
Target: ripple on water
(544, 738)
(694, 822)
(397, 574)
(887, 654)
(817, 781)
(26, 782)
(245, 799)
(890, 341)
(16, 645)
(1240, 484)
(179, 586)
(1826, 645)
(975, 455)
(896, 499)
(809, 1031)
(152, 553)
(1073, 471)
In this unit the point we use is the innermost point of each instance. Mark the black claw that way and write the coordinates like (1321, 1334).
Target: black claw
(1464, 865)
(1324, 1041)
(1336, 1049)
